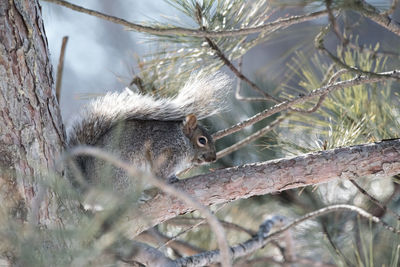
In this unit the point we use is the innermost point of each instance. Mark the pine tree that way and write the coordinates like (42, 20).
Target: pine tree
(328, 113)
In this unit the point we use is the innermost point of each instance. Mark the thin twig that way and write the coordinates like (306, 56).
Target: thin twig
(138, 82)
(337, 250)
(373, 199)
(228, 225)
(391, 9)
(60, 67)
(284, 22)
(175, 237)
(321, 99)
(226, 61)
(212, 256)
(167, 188)
(335, 208)
(319, 43)
(143, 254)
(238, 96)
(238, 74)
(346, 42)
(333, 22)
(380, 18)
(263, 236)
(154, 236)
(250, 138)
(357, 80)
(302, 261)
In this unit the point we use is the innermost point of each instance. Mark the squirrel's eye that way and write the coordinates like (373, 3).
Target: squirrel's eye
(202, 141)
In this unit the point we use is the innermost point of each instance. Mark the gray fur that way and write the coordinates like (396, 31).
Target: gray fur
(152, 134)
(202, 96)
(149, 145)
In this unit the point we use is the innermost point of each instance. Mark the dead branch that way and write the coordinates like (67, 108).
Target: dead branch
(60, 68)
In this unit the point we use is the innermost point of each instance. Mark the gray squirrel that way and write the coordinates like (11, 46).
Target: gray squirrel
(157, 134)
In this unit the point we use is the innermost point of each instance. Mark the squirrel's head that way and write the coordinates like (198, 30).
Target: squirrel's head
(201, 140)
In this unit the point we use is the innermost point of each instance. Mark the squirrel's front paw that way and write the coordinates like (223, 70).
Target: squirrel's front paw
(172, 179)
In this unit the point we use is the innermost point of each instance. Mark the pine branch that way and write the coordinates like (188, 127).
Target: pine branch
(282, 23)
(357, 80)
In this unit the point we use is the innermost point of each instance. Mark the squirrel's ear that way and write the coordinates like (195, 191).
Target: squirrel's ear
(190, 124)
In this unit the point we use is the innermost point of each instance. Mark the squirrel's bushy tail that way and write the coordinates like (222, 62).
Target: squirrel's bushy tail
(203, 95)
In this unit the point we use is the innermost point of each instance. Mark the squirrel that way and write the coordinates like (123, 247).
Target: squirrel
(157, 134)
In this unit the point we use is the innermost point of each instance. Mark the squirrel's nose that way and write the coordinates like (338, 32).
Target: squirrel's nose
(210, 157)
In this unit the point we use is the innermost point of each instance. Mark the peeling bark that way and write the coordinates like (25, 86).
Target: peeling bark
(32, 134)
(380, 159)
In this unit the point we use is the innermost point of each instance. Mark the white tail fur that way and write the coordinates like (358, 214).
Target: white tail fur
(203, 95)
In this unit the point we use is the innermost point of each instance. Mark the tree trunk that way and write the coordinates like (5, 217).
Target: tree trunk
(32, 134)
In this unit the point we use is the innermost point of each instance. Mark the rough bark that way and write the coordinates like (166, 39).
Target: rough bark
(32, 134)
(380, 159)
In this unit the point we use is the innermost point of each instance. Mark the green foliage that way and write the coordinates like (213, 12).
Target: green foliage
(176, 57)
(353, 115)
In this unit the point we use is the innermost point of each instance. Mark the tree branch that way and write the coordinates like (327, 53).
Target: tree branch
(285, 22)
(60, 67)
(357, 80)
(381, 19)
(158, 239)
(380, 159)
(144, 254)
(168, 189)
(250, 138)
(264, 236)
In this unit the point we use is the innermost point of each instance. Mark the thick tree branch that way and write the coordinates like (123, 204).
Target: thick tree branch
(376, 159)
